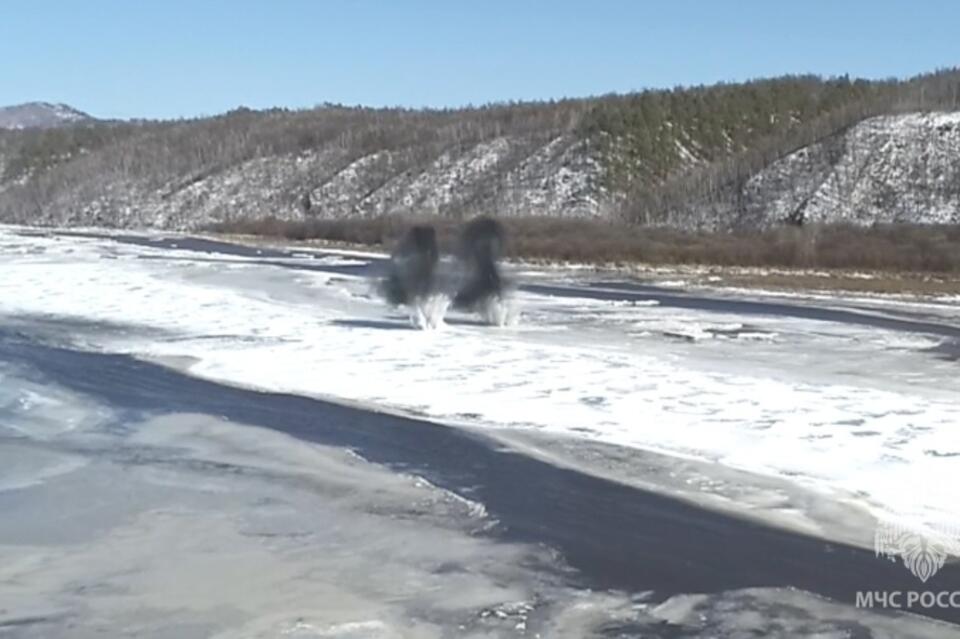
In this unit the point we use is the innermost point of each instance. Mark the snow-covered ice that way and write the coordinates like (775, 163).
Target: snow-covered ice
(189, 526)
(865, 416)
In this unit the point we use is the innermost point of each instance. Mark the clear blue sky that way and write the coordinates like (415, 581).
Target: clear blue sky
(147, 58)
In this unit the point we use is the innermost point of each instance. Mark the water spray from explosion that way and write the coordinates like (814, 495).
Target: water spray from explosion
(419, 280)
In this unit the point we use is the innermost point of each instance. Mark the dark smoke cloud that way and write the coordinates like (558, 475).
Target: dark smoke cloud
(412, 272)
(419, 280)
(481, 246)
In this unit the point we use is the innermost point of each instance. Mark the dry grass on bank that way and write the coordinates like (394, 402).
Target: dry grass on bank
(895, 248)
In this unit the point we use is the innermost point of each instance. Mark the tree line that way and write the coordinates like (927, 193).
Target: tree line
(661, 151)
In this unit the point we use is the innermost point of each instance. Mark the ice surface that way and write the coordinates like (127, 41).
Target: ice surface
(863, 415)
(191, 526)
(185, 526)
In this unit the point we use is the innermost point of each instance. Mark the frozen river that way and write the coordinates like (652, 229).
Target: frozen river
(203, 440)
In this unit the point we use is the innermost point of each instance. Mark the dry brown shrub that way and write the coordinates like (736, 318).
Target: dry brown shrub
(901, 248)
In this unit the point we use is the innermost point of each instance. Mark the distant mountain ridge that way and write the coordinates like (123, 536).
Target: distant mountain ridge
(790, 150)
(40, 115)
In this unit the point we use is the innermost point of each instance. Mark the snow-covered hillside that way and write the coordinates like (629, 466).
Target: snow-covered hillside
(40, 115)
(512, 176)
(897, 168)
(903, 168)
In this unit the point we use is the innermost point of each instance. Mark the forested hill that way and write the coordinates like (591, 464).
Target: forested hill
(760, 153)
